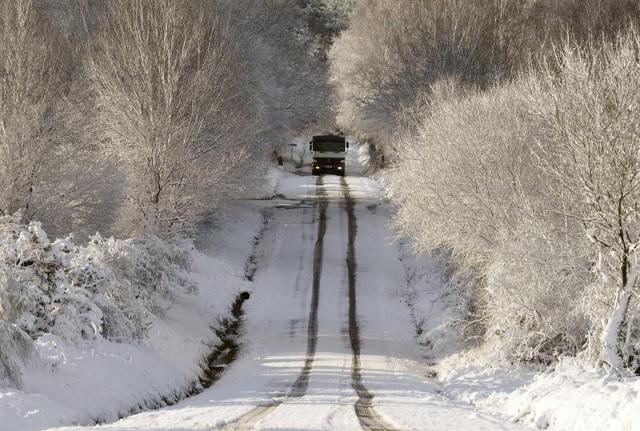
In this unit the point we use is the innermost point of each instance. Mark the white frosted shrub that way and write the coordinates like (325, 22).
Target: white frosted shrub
(467, 181)
(36, 291)
(589, 112)
(108, 287)
(17, 353)
(534, 187)
(534, 289)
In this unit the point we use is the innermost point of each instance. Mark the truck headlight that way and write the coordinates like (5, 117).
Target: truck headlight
(339, 168)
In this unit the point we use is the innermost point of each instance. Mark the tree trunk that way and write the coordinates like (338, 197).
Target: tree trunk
(611, 335)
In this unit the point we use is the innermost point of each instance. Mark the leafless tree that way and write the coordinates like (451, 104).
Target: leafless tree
(534, 187)
(173, 108)
(591, 146)
(43, 159)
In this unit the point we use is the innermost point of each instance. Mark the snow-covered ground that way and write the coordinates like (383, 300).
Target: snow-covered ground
(102, 380)
(328, 341)
(345, 329)
(571, 396)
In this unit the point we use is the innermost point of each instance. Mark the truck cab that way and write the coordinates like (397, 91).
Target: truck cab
(328, 153)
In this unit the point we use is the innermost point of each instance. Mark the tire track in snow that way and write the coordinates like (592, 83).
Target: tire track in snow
(300, 386)
(369, 419)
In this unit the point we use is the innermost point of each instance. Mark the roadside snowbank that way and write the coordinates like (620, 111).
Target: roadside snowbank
(100, 380)
(431, 305)
(570, 397)
(273, 179)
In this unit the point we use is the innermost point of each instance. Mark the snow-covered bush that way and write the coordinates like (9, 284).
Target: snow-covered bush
(534, 187)
(589, 111)
(467, 181)
(108, 287)
(17, 353)
(36, 291)
(533, 294)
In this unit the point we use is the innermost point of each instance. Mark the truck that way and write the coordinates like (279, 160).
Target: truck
(328, 153)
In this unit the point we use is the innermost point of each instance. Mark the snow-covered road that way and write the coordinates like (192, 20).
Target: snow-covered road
(326, 342)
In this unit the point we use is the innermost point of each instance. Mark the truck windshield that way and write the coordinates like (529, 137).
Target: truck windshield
(335, 146)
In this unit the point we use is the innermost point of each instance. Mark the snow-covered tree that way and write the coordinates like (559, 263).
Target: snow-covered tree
(533, 187)
(284, 46)
(465, 181)
(173, 108)
(591, 113)
(32, 63)
(380, 70)
(44, 153)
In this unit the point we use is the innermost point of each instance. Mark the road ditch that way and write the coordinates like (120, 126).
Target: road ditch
(227, 350)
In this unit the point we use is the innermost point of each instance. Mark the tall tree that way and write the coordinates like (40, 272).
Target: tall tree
(43, 174)
(172, 105)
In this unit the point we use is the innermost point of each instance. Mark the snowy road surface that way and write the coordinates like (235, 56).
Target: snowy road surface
(326, 343)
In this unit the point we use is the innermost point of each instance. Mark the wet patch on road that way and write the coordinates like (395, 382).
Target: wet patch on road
(294, 325)
(291, 204)
(373, 208)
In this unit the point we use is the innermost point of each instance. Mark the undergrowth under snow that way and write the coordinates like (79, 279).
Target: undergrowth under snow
(91, 332)
(572, 395)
